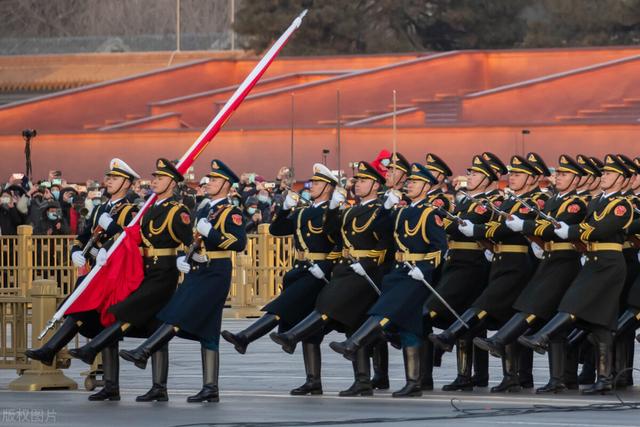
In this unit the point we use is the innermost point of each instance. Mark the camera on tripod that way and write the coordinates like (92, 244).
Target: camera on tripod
(29, 133)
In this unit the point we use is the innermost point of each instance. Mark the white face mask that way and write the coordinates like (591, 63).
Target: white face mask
(5, 200)
(385, 162)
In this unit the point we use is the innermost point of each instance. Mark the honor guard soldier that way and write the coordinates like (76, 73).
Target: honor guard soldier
(165, 228)
(466, 269)
(560, 263)
(511, 269)
(105, 222)
(419, 242)
(437, 195)
(195, 310)
(310, 272)
(593, 297)
(343, 302)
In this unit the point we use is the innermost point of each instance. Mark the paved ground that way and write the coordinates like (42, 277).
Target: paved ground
(255, 389)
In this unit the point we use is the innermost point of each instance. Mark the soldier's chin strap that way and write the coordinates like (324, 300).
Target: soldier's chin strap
(370, 189)
(220, 189)
(120, 188)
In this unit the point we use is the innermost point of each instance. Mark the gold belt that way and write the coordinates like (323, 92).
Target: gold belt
(516, 249)
(219, 254)
(155, 252)
(627, 245)
(415, 257)
(559, 246)
(356, 253)
(595, 247)
(311, 256)
(469, 246)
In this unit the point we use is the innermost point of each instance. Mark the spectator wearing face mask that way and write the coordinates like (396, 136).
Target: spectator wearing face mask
(247, 186)
(382, 161)
(52, 223)
(252, 215)
(264, 205)
(67, 196)
(10, 216)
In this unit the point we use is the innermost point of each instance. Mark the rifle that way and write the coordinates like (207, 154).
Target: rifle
(197, 238)
(98, 232)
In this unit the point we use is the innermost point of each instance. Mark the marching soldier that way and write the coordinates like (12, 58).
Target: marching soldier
(438, 195)
(302, 284)
(343, 302)
(593, 297)
(195, 310)
(466, 269)
(105, 222)
(165, 227)
(420, 242)
(560, 263)
(511, 269)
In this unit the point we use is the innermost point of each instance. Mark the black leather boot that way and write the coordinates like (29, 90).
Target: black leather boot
(307, 327)
(540, 340)
(446, 339)
(507, 334)
(571, 368)
(464, 353)
(111, 369)
(210, 372)
(510, 381)
(380, 358)
(141, 354)
(557, 357)
(365, 335)
(412, 388)
(362, 385)
(60, 338)
(620, 359)
(108, 336)
(587, 353)
(604, 382)
(159, 375)
(525, 368)
(312, 364)
(426, 365)
(480, 377)
(256, 330)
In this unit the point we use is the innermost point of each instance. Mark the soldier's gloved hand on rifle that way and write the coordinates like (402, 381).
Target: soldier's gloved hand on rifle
(337, 198)
(392, 199)
(466, 228)
(290, 202)
(416, 274)
(515, 223)
(537, 250)
(105, 220)
(358, 269)
(204, 227)
(78, 259)
(562, 231)
(101, 258)
(94, 252)
(199, 258)
(488, 255)
(182, 265)
(316, 271)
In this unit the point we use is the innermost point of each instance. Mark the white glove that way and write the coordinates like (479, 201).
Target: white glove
(182, 265)
(488, 255)
(391, 200)
(290, 202)
(337, 198)
(583, 259)
(204, 227)
(563, 231)
(416, 274)
(105, 220)
(101, 258)
(78, 259)
(199, 258)
(466, 228)
(515, 223)
(358, 268)
(316, 271)
(537, 250)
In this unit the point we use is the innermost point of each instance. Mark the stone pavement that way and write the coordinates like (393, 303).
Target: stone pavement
(254, 391)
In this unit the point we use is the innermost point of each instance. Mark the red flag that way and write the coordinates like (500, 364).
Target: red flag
(116, 280)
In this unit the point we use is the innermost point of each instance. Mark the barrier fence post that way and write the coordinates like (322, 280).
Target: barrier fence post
(25, 258)
(43, 294)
